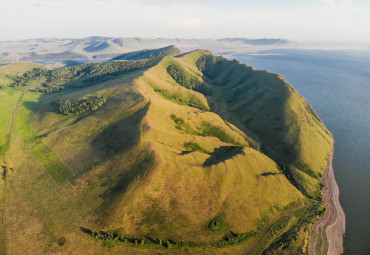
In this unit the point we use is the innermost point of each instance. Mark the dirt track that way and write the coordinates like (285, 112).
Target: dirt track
(327, 233)
(6, 179)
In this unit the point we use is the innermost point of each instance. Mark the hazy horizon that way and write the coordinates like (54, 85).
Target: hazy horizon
(327, 21)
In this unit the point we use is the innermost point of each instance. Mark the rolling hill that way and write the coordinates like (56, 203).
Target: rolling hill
(99, 47)
(186, 154)
(145, 54)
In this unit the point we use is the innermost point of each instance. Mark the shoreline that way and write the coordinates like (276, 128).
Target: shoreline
(327, 234)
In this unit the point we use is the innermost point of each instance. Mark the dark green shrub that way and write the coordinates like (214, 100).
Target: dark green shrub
(209, 65)
(177, 120)
(302, 166)
(178, 74)
(187, 80)
(209, 130)
(216, 224)
(191, 100)
(194, 147)
(111, 237)
(233, 239)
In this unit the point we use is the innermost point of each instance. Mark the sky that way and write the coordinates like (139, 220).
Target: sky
(299, 20)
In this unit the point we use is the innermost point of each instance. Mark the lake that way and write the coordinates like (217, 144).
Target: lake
(337, 84)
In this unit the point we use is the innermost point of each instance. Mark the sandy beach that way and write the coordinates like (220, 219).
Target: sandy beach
(327, 234)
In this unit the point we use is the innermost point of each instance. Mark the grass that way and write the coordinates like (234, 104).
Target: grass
(267, 107)
(183, 126)
(42, 178)
(194, 147)
(8, 100)
(180, 98)
(141, 163)
(42, 152)
(207, 129)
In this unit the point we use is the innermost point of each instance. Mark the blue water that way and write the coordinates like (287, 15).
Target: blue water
(337, 85)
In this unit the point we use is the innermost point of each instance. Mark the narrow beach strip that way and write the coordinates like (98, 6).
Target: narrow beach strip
(327, 234)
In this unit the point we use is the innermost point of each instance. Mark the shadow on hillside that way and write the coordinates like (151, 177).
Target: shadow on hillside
(32, 106)
(223, 153)
(120, 136)
(268, 174)
(256, 102)
(185, 152)
(143, 162)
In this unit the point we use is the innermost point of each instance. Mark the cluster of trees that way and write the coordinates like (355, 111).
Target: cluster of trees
(149, 54)
(177, 73)
(209, 65)
(22, 80)
(18, 80)
(234, 238)
(166, 51)
(82, 106)
(228, 240)
(216, 224)
(115, 236)
(95, 71)
(4, 172)
(106, 236)
(187, 80)
(90, 72)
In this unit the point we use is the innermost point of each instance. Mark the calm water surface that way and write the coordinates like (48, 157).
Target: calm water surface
(337, 85)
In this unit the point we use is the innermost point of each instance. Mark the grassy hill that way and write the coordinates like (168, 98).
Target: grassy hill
(188, 154)
(152, 53)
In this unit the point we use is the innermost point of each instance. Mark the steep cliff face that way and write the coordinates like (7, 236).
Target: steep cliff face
(188, 151)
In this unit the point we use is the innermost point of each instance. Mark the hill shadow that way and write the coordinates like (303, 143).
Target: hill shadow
(223, 153)
(144, 161)
(257, 103)
(268, 174)
(36, 107)
(120, 136)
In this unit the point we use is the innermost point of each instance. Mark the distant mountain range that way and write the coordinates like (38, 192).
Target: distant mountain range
(97, 47)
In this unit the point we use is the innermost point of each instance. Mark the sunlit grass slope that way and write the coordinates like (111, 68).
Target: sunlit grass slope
(64, 164)
(194, 151)
(189, 187)
(9, 98)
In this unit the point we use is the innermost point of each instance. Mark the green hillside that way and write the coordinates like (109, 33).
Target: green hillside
(192, 154)
(150, 53)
